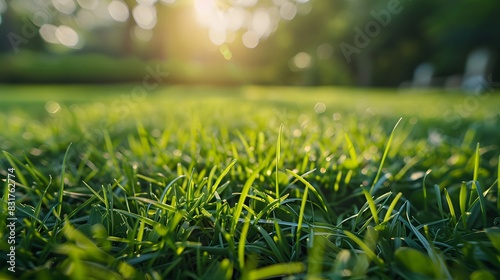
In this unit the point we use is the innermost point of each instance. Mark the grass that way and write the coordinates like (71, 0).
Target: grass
(250, 183)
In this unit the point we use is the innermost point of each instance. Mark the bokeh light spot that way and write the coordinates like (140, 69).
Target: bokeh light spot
(118, 10)
(235, 18)
(52, 107)
(145, 16)
(302, 60)
(226, 52)
(261, 22)
(217, 36)
(250, 39)
(146, 2)
(67, 36)
(288, 11)
(320, 107)
(48, 33)
(64, 6)
(88, 4)
(245, 3)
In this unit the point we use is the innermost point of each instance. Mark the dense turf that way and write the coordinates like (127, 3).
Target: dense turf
(201, 183)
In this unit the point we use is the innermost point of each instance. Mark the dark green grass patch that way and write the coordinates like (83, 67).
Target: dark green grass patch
(249, 183)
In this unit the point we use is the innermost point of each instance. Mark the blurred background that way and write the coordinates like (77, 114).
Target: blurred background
(381, 43)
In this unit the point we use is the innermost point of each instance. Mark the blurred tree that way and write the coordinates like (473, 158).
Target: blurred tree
(306, 42)
(458, 27)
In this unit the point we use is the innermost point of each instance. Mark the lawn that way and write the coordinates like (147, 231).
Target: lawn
(110, 182)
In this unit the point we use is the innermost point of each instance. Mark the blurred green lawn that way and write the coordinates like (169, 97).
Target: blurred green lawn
(445, 109)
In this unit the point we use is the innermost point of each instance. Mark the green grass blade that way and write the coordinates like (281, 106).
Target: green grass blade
(243, 196)
(463, 204)
(368, 251)
(277, 270)
(280, 239)
(317, 194)
(498, 184)
(482, 201)
(111, 152)
(301, 218)
(271, 206)
(155, 203)
(278, 158)
(248, 150)
(96, 194)
(384, 156)
(14, 162)
(243, 240)
(425, 189)
(39, 204)
(450, 207)
(391, 207)
(213, 187)
(143, 137)
(163, 197)
(61, 186)
(439, 200)
(352, 151)
(277, 251)
(476, 164)
(371, 204)
(431, 252)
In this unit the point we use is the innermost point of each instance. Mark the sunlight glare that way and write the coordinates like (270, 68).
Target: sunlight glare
(227, 19)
